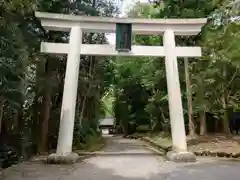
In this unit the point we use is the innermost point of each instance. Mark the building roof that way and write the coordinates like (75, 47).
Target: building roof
(108, 121)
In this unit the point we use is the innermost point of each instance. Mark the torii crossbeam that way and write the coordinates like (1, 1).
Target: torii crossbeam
(78, 24)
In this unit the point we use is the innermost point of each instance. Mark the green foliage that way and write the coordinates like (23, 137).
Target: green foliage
(214, 77)
(31, 83)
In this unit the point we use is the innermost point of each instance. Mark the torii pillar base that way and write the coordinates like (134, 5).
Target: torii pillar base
(181, 157)
(69, 158)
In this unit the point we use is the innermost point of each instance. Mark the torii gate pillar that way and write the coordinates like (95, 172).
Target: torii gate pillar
(179, 143)
(64, 152)
(76, 24)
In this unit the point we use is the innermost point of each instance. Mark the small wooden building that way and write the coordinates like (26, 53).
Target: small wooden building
(107, 124)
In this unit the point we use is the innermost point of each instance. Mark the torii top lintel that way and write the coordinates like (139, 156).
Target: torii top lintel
(63, 22)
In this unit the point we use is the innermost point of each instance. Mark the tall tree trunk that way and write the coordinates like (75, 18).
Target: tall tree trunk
(1, 116)
(202, 123)
(46, 107)
(202, 113)
(85, 96)
(45, 111)
(16, 118)
(225, 116)
(36, 123)
(94, 3)
(191, 126)
(37, 108)
(216, 126)
(82, 110)
(224, 103)
(89, 75)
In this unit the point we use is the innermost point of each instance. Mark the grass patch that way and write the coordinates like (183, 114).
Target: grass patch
(143, 128)
(212, 145)
(94, 143)
(161, 139)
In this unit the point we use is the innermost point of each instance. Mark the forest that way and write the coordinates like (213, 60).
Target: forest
(209, 85)
(31, 83)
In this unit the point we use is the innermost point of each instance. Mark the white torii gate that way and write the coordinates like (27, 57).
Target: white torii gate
(78, 24)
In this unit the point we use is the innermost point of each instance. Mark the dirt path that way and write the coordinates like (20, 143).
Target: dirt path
(124, 159)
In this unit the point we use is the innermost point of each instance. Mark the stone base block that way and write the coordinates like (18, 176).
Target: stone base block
(69, 158)
(180, 157)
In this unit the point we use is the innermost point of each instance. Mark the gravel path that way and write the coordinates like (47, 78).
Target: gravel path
(124, 159)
